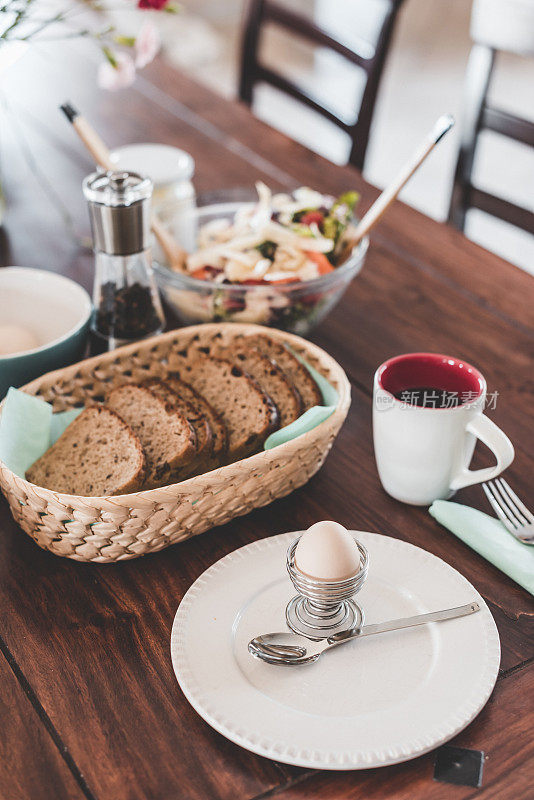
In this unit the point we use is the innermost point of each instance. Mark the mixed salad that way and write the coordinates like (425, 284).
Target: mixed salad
(257, 265)
(281, 239)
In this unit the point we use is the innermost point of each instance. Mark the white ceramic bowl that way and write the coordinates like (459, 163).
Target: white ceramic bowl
(54, 309)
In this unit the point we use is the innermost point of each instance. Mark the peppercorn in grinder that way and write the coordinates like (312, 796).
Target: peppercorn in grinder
(127, 306)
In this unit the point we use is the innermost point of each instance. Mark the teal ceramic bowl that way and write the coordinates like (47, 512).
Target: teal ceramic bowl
(53, 314)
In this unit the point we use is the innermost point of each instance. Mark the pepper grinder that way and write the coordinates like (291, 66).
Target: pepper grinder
(127, 306)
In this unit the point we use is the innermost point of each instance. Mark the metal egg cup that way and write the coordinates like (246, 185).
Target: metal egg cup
(324, 607)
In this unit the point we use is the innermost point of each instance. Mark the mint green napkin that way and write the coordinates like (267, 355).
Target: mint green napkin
(312, 417)
(28, 428)
(490, 539)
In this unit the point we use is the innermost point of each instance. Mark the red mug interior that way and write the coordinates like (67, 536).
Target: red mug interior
(444, 373)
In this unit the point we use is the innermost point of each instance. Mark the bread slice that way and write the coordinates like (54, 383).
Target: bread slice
(193, 415)
(269, 376)
(97, 455)
(293, 368)
(219, 434)
(249, 414)
(166, 436)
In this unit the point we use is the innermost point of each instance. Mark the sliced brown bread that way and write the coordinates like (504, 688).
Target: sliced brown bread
(303, 381)
(269, 376)
(167, 437)
(219, 441)
(98, 454)
(191, 412)
(249, 414)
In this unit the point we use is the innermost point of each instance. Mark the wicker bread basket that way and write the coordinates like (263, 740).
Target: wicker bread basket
(108, 529)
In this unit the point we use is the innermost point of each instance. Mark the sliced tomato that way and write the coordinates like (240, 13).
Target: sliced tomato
(235, 304)
(205, 273)
(253, 282)
(312, 216)
(323, 264)
(280, 281)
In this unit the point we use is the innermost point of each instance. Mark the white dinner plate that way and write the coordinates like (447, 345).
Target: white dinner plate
(380, 700)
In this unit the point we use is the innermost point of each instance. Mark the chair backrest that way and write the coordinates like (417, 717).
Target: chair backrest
(504, 25)
(370, 57)
(495, 25)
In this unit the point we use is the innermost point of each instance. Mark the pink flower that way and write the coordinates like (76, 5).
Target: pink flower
(116, 77)
(147, 44)
(156, 4)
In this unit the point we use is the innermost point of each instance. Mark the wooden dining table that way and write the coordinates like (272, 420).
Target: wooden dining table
(90, 706)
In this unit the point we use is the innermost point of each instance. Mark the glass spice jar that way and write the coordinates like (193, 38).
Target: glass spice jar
(127, 306)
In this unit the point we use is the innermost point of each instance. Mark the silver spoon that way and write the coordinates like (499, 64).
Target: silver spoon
(290, 648)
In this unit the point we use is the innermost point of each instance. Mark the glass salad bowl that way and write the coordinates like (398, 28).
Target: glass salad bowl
(295, 307)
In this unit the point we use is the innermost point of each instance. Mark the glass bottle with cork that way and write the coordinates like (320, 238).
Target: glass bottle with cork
(127, 306)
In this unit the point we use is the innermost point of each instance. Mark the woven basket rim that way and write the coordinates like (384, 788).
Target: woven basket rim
(159, 494)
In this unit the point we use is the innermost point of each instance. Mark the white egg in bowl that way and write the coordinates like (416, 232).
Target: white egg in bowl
(44, 319)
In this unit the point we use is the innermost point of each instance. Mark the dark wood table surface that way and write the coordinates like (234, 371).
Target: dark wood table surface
(90, 707)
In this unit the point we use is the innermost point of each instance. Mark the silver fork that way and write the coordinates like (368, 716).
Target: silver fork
(513, 513)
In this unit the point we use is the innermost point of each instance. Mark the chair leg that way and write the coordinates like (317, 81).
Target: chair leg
(478, 76)
(361, 130)
(249, 50)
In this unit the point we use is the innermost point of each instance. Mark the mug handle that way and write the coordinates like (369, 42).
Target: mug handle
(497, 441)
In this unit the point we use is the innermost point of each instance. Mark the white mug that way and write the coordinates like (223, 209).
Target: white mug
(423, 451)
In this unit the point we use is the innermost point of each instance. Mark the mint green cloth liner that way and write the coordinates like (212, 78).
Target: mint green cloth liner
(490, 539)
(312, 417)
(28, 427)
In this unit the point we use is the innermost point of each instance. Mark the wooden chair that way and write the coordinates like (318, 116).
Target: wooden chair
(370, 57)
(495, 26)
